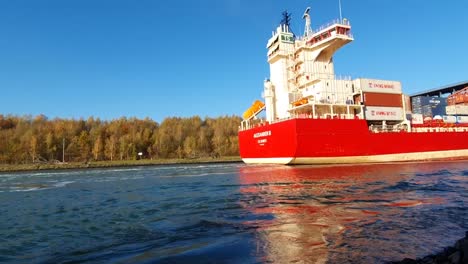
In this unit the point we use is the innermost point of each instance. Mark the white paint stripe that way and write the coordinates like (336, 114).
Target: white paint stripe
(415, 156)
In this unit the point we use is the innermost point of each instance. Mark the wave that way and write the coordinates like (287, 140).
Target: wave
(37, 186)
(63, 184)
(195, 175)
(27, 189)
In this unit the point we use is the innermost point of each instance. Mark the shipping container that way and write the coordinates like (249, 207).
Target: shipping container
(465, 98)
(417, 119)
(427, 100)
(384, 113)
(439, 109)
(429, 105)
(451, 110)
(378, 86)
(417, 110)
(450, 119)
(462, 109)
(450, 100)
(383, 99)
(459, 98)
(462, 119)
(457, 110)
(427, 111)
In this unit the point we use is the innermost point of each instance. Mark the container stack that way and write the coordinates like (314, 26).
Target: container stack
(458, 105)
(383, 99)
(457, 110)
(429, 106)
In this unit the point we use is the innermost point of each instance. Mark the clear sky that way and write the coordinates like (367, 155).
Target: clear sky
(160, 58)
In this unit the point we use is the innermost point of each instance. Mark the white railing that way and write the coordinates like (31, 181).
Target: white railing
(246, 125)
(438, 129)
(333, 22)
(327, 76)
(344, 22)
(402, 127)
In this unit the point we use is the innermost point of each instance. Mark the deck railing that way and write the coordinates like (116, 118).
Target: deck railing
(438, 129)
(344, 22)
(246, 125)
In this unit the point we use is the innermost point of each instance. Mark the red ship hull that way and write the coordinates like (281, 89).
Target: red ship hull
(334, 141)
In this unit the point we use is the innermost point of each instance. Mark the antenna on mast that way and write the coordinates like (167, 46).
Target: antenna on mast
(286, 20)
(339, 5)
(308, 30)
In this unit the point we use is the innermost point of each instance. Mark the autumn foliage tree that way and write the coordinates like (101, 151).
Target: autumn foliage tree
(27, 139)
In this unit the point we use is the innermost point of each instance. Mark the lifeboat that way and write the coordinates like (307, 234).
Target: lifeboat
(300, 102)
(256, 106)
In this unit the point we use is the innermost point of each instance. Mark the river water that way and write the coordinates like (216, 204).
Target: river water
(233, 213)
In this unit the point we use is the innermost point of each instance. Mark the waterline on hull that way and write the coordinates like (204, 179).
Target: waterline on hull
(415, 156)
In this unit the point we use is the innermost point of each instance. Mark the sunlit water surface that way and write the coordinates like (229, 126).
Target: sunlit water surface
(233, 213)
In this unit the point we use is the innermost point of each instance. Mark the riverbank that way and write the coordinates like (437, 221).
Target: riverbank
(112, 164)
(458, 254)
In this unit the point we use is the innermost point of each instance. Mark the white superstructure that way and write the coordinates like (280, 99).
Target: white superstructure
(303, 67)
(303, 83)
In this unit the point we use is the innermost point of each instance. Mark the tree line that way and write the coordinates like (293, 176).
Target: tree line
(26, 139)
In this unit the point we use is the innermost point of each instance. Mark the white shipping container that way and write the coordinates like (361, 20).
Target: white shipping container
(450, 119)
(378, 86)
(457, 110)
(462, 109)
(451, 110)
(417, 119)
(462, 119)
(384, 113)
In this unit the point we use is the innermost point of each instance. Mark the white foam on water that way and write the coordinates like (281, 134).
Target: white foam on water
(196, 175)
(112, 179)
(116, 170)
(17, 189)
(29, 187)
(63, 184)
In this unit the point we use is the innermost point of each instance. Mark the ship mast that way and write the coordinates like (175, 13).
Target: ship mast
(339, 5)
(308, 25)
(286, 20)
(302, 70)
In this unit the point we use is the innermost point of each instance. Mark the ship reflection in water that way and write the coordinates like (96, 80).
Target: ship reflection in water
(354, 214)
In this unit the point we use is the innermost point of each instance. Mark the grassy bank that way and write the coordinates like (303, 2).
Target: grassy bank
(110, 164)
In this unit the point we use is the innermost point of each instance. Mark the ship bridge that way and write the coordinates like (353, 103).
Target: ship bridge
(313, 56)
(333, 36)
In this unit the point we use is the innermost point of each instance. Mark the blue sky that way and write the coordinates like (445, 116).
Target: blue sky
(155, 58)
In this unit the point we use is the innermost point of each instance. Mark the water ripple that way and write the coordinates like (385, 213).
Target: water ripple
(233, 213)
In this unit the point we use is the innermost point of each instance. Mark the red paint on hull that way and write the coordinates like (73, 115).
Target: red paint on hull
(329, 138)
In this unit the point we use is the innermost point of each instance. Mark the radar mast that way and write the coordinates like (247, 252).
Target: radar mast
(286, 21)
(308, 25)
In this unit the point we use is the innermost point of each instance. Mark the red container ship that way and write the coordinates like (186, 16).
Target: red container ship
(313, 117)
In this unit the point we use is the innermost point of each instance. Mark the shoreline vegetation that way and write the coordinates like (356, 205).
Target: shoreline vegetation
(113, 164)
(28, 142)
